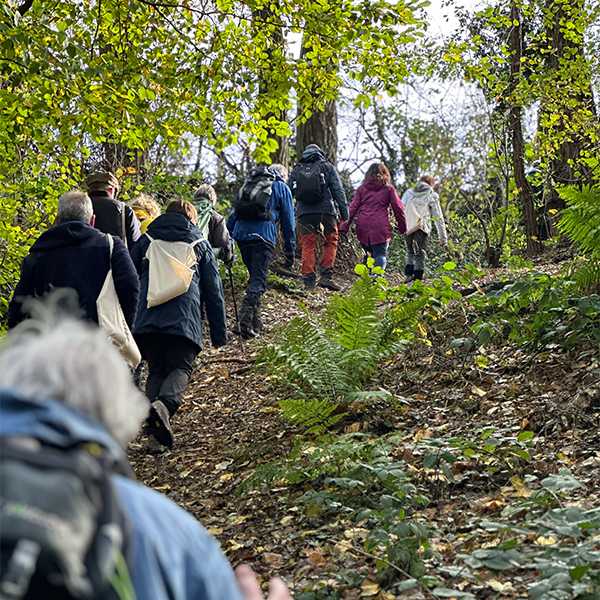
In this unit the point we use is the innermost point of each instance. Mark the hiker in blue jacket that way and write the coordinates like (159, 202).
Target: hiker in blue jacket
(67, 387)
(256, 241)
(170, 335)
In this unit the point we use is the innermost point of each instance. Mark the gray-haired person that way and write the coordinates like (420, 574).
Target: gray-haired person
(73, 254)
(112, 215)
(66, 388)
(421, 206)
(212, 224)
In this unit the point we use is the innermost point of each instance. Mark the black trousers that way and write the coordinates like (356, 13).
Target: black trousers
(257, 258)
(170, 365)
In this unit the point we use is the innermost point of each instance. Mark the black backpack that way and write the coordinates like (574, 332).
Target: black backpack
(252, 201)
(62, 529)
(310, 185)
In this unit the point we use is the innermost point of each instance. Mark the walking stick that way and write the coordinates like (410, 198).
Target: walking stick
(237, 316)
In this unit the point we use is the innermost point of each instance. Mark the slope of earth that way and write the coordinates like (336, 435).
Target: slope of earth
(230, 424)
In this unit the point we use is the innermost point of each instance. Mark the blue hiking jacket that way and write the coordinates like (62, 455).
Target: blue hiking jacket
(174, 557)
(181, 315)
(281, 208)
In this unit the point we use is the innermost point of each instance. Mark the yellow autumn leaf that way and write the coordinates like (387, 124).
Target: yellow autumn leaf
(545, 541)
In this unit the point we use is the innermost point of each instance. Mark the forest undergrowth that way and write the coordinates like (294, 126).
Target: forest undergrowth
(437, 440)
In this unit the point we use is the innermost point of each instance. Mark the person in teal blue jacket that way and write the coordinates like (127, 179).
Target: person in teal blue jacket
(67, 387)
(256, 241)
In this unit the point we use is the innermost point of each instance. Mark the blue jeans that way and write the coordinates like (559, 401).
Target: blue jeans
(378, 252)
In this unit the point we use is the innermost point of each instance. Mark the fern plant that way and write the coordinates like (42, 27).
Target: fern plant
(581, 222)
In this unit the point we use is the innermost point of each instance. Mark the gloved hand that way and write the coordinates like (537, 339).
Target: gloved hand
(229, 263)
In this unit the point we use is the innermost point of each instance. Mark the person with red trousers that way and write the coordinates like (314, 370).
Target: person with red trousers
(372, 202)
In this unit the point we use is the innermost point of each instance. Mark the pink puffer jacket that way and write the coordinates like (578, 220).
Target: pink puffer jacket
(372, 202)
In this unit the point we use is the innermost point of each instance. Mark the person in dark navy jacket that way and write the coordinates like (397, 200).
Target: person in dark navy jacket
(75, 255)
(170, 335)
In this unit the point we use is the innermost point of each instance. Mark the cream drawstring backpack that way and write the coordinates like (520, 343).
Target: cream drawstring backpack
(170, 270)
(112, 320)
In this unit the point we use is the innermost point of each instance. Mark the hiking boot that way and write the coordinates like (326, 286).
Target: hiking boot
(409, 271)
(257, 324)
(244, 327)
(154, 446)
(158, 424)
(310, 281)
(409, 278)
(326, 281)
(418, 275)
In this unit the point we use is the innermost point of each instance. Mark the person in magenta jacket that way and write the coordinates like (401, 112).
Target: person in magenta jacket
(372, 202)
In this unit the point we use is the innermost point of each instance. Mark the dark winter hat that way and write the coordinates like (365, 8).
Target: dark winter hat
(101, 180)
(313, 147)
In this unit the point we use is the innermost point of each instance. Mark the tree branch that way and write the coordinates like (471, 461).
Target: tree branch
(24, 7)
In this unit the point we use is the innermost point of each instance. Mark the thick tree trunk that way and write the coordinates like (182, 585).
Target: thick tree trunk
(321, 129)
(571, 96)
(516, 127)
(274, 43)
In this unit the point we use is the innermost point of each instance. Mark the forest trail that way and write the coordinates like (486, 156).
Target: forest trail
(230, 423)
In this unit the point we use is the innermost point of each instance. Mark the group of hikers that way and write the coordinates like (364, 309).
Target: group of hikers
(66, 388)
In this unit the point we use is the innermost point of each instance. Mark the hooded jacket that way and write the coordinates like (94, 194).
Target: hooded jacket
(174, 557)
(108, 211)
(214, 229)
(75, 255)
(421, 204)
(181, 315)
(281, 209)
(335, 191)
(372, 202)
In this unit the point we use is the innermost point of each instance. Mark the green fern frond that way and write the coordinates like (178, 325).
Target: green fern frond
(313, 414)
(586, 275)
(581, 221)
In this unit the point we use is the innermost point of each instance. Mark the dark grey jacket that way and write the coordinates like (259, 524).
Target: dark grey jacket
(219, 238)
(335, 191)
(109, 219)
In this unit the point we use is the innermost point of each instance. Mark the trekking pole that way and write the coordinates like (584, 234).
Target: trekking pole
(237, 316)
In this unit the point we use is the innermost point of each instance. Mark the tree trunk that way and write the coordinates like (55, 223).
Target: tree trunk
(321, 129)
(274, 42)
(516, 127)
(571, 93)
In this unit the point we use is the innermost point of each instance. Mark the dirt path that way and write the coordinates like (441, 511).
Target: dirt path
(229, 424)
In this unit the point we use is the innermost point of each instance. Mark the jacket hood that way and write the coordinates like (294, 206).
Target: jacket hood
(173, 227)
(51, 422)
(69, 233)
(312, 154)
(374, 184)
(422, 189)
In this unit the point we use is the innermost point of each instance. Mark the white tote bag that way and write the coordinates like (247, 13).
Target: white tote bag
(170, 269)
(112, 320)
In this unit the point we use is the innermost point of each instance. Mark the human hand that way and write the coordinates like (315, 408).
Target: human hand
(246, 579)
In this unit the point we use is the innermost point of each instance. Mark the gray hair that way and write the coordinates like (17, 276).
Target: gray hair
(75, 206)
(74, 362)
(206, 191)
(283, 172)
